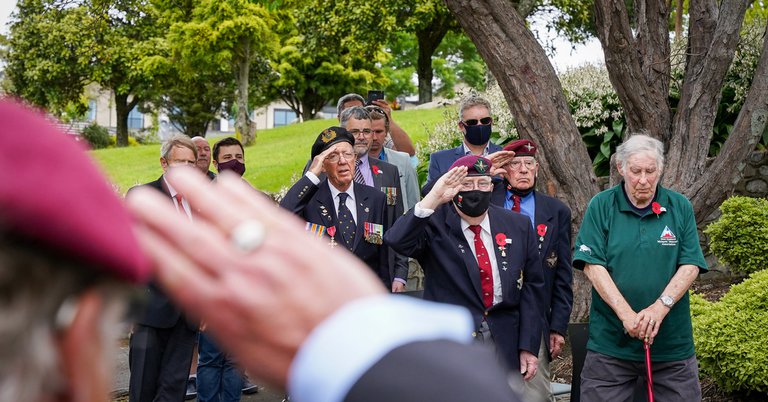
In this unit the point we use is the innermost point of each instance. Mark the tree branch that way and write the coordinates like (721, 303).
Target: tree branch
(638, 67)
(701, 93)
(728, 166)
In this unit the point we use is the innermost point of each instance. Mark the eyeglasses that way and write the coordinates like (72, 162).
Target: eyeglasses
(355, 132)
(483, 185)
(473, 122)
(334, 157)
(374, 108)
(516, 165)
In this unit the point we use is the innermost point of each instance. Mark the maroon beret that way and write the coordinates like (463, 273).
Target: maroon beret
(476, 165)
(522, 147)
(52, 192)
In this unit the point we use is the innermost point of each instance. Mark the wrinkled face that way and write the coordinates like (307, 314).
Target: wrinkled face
(379, 130)
(229, 152)
(339, 166)
(474, 114)
(179, 156)
(521, 172)
(203, 154)
(641, 175)
(361, 130)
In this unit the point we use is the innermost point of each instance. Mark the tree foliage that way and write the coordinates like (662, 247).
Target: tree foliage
(58, 46)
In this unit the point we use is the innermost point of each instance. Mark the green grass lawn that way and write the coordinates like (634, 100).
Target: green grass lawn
(277, 154)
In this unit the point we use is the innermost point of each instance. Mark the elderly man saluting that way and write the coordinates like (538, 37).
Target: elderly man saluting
(479, 256)
(639, 247)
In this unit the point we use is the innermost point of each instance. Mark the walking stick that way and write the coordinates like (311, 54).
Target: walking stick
(648, 371)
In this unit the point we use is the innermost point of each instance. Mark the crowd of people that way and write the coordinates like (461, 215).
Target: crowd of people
(295, 295)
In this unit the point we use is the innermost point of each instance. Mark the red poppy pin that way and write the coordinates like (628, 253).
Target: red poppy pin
(657, 209)
(375, 169)
(501, 241)
(541, 229)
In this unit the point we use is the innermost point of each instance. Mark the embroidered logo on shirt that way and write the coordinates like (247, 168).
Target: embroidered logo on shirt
(667, 238)
(585, 249)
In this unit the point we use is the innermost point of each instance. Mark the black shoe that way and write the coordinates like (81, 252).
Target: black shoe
(191, 388)
(249, 387)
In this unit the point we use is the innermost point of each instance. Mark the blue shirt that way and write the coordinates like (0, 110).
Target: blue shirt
(527, 205)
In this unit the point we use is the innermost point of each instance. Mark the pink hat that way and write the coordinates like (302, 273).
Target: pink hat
(52, 192)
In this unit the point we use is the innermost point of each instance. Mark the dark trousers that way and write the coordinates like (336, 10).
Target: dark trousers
(218, 380)
(159, 360)
(608, 379)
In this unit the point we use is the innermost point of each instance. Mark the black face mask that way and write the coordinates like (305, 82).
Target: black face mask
(233, 165)
(472, 203)
(479, 134)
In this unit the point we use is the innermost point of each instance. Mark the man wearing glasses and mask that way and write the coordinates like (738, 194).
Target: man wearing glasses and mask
(476, 123)
(479, 256)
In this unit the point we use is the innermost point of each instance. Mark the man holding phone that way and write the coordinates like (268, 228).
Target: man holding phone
(400, 139)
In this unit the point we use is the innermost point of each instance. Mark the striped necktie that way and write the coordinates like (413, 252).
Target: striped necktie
(358, 173)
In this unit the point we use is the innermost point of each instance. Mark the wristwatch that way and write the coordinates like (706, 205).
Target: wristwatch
(667, 301)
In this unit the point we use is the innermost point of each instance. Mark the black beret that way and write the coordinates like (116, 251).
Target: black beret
(330, 136)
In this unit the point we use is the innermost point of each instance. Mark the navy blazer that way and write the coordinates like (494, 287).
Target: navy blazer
(160, 312)
(314, 204)
(555, 253)
(441, 161)
(388, 177)
(452, 276)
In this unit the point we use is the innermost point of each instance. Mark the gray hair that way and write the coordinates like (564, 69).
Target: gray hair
(348, 98)
(36, 285)
(640, 143)
(178, 140)
(355, 112)
(472, 101)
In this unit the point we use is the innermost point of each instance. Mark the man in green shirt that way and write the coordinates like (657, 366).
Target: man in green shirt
(639, 247)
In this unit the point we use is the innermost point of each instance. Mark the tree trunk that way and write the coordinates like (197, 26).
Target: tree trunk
(536, 100)
(244, 126)
(429, 39)
(638, 65)
(679, 20)
(122, 108)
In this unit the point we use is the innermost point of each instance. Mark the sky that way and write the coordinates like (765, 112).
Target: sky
(565, 57)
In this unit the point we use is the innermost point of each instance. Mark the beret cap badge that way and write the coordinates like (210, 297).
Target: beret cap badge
(480, 166)
(328, 135)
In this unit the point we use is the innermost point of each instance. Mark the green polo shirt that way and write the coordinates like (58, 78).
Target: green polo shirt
(641, 253)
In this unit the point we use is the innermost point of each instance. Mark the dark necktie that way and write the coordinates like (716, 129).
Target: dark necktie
(358, 173)
(484, 263)
(515, 202)
(346, 223)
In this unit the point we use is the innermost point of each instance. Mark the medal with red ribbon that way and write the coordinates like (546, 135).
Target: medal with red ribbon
(657, 209)
(501, 241)
(332, 232)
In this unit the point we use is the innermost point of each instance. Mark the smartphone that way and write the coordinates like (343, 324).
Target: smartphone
(374, 95)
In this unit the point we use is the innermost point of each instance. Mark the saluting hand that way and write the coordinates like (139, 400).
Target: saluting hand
(499, 160)
(446, 187)
(317, 163)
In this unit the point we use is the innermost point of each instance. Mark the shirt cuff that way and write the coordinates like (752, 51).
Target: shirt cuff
(312, 177)
(420, 212)
(348, 343)
(401, 280)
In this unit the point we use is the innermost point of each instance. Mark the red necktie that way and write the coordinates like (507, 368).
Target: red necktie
(484, 263)
(515, 202)
(179, 204)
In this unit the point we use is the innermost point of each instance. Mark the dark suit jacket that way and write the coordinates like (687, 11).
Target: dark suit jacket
(437, 370)
(314, 204)
(160, 311)
(555, 253)
(441, 161)
(388, 177)
(452, 276)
